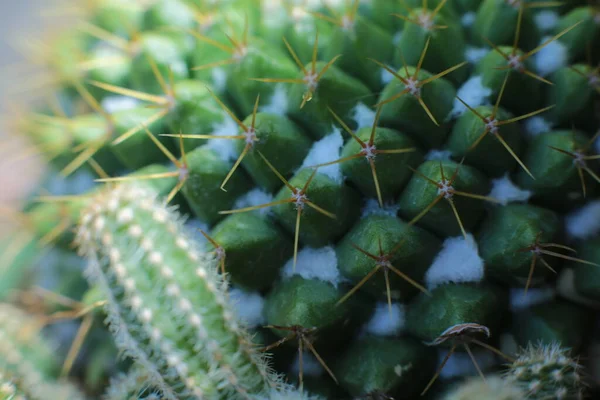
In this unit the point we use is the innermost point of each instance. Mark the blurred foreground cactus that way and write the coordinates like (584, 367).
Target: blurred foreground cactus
(314, 200)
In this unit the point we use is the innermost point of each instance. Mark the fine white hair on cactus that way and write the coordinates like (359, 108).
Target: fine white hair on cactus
(519, 300)
(115, 103)
(536, 125)
(363, 116)
(460, 364)
(551, 58)
(224, 148)
(435, 154)
(546, 20)
(310, 365)
(193, 227)
(219, 79)
(384, 323)
(505, 191)
(255, 197)
(315, 264)
(279, 102)
(372, 208)
(458, 261)
(474, 54)
(468, 19)
(584, 222)
(326, 150)
(473, 93)
(248, 306)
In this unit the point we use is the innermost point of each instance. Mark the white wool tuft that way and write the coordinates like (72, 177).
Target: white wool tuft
(584, 222)
(113, 104)
(473, 93)
(458, 261)
(536, 125)
(326, 150)
(460, 364)
(438, 155)
(278, 103)
(474, 54)
(315, 263)
(551, 58)
(372, 208)
(219, 79)
(193, 227)
(382, 323)
(310, 365)
(468, 19)
(519, 300)
(363, 116)
(255, 197)
(248, 306)
(225, 148)
(546, 20)
(505, 191)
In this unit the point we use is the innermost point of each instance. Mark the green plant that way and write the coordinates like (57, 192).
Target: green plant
(375, 198)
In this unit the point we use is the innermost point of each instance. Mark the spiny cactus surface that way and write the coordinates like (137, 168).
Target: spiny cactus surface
(344, 199)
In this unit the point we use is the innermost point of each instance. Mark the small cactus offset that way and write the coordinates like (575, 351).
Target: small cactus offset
(309, 199)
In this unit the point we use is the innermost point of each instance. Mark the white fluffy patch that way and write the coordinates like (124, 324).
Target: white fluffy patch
(536, 125)
(458, 261)
(278, 103)
(386, 76)
(551, 58)
(372, 208)
(255, 197)
(314, 264)
(310, 365)
(468, 19)
(219, 79)
(326, 150)
(113, 104)
(473, 93)
(248, 306)
(584, 222)
(546, 20)
(382, 323)
(225, 148)
(438, 155)
(363, 116)
(505, 191)
(460, 364)
(474, 54)
(193, 227)
(519, 300)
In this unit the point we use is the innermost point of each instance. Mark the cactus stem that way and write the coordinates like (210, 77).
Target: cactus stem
(304, 336)
(383, 261)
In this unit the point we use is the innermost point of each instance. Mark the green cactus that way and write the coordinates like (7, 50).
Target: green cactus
(364, 189)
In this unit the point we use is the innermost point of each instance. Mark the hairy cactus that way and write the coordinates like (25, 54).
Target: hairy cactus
(374, 197)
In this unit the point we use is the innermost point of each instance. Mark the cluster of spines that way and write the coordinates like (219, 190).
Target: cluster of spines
(131, 240)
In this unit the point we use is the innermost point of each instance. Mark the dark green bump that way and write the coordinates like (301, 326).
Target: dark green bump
(406, 114)
(392, 171)
(118, 16)
(419, 193)
(317, 229)
(557, 321)
(557, 182)
(578, 39)
(336, 90)
(506, 231)
(446, 46)
(454, 304)
(380, 12)
(203, 190)
(522, 93)
(489, 156)
(572, 92)
(117, 73)
(396, 367)
(169, 13)
(281, 141)
(413, 257)
(254, 249)
(587, 277)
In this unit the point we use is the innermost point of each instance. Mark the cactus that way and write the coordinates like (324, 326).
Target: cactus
(281, 199)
